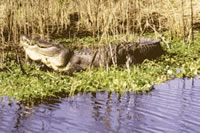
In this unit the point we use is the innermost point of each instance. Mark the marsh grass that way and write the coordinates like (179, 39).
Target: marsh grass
(100, 19)
(36, 84)
(92, 23)
(96, 17)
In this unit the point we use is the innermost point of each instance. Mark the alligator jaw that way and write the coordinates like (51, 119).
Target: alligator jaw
(54, 56)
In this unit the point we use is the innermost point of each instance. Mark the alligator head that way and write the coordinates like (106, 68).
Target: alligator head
(55, 56)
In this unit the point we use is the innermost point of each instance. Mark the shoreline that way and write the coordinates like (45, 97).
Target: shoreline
(179, 62)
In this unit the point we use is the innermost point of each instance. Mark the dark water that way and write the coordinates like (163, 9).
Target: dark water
(173, 107)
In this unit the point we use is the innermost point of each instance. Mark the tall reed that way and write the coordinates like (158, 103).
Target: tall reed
(98, 17)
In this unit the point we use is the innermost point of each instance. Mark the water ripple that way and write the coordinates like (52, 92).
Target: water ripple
(173, 107)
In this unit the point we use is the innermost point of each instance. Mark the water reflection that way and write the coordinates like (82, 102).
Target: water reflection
(172, 107)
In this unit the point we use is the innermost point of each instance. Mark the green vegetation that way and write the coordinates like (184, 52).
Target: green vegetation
(92, 23)
(181, 60)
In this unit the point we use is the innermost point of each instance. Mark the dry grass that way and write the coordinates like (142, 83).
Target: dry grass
(98, 17)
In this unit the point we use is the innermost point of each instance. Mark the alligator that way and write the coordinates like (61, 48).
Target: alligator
(62, 59)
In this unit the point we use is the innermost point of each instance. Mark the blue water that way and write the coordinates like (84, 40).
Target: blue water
(173, 107)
